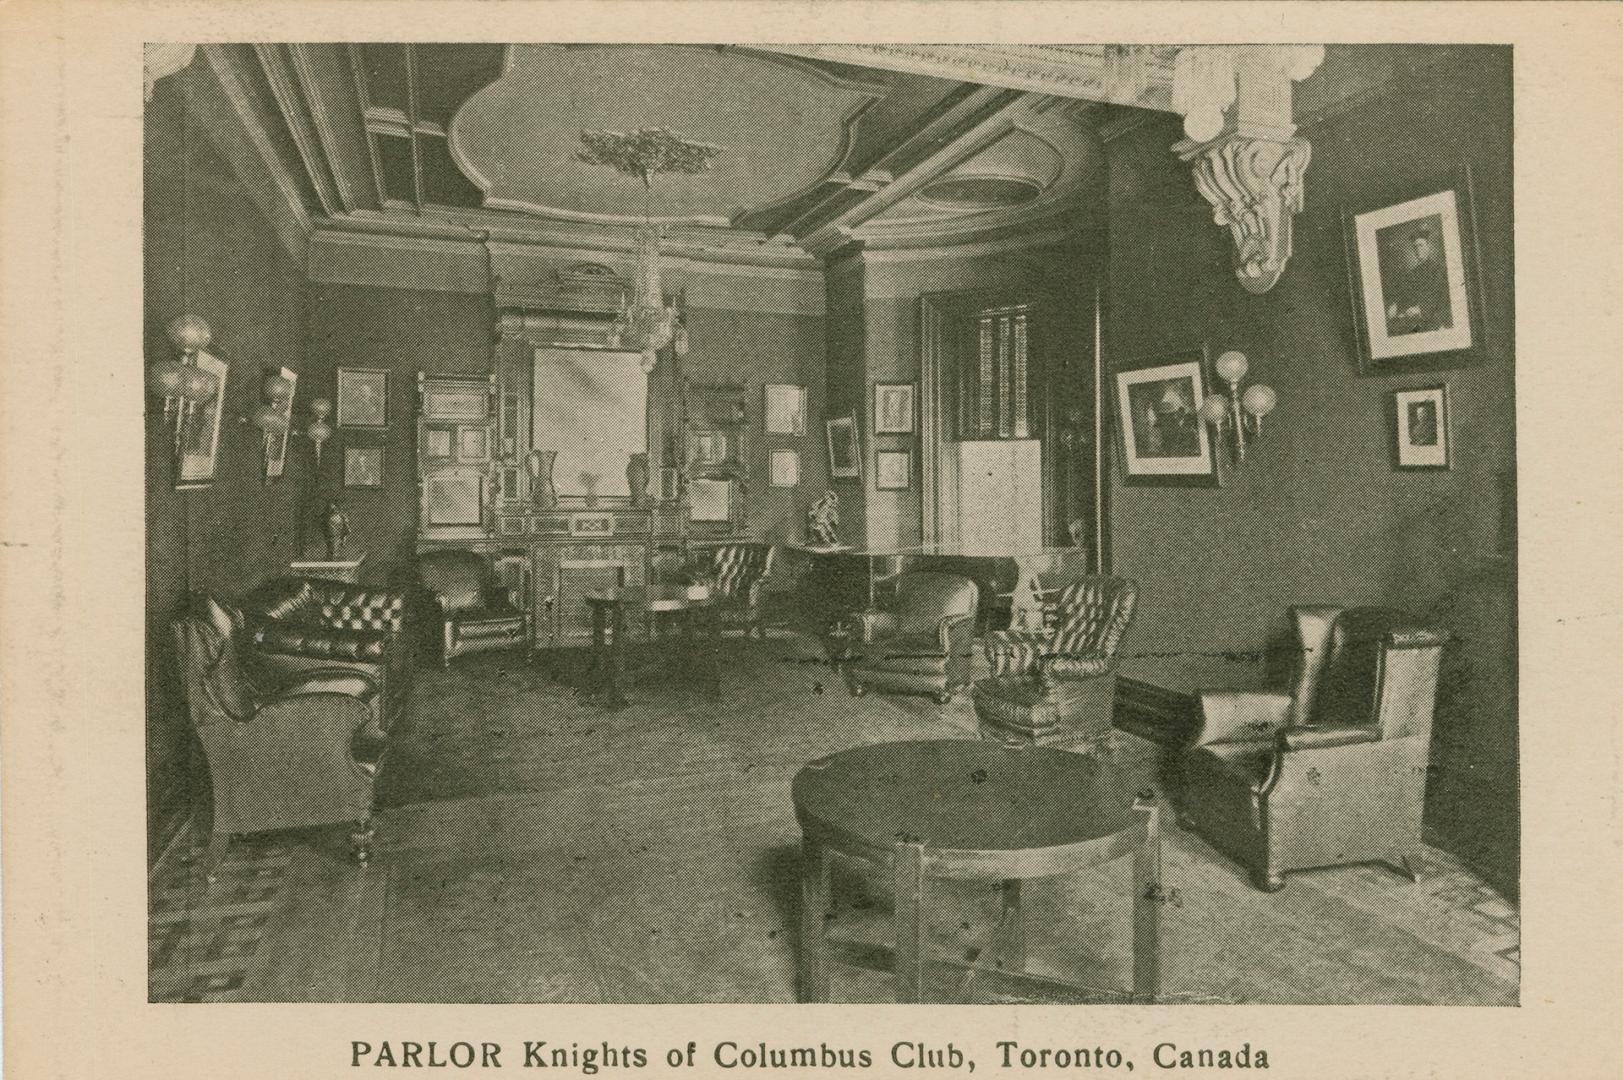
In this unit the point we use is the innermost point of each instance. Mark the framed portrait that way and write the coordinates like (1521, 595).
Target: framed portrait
(276, 459)
(844, 449)
(893, 408)
(200, 452)
(785, 468)
(437, 442)
(363, 466)
(1413, 272)
(1421, 425)
(472, 444)
(363, 397)
(1162, 439)
(893, 470)
(785, 409)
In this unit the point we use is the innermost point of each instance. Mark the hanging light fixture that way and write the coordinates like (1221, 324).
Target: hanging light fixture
(647, 318)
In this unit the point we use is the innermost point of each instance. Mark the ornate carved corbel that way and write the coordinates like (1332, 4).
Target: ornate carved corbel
(1255, 188)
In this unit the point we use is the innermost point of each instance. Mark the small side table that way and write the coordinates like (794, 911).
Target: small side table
(976, 811)
(330, 569)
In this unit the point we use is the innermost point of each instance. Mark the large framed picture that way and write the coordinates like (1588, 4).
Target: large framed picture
(893, 408)
(844, 449)
(1163, 440)
(200, 450)
(1413, 271)
(785, 409)
(363, 397)
(1422, 428)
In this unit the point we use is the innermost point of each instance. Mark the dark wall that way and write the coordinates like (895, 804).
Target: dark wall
(209, 252)
(403, 331)
(1318, 513)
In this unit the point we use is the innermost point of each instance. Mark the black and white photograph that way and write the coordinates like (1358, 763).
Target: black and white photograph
(1152, 629)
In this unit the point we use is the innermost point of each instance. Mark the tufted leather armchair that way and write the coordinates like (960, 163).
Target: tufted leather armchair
(475, 611)
(737, 574)
(1057, 686)
(923, 643)
(1332, 771)
(303, 624)
(305, 753)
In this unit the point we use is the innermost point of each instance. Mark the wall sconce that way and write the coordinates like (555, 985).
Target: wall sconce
(319, 430)
(276, 391)
(1238, 412)
(183, 386)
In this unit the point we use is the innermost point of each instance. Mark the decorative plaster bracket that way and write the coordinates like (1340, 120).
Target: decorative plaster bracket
(1251, 167)
(1254, 186)
(162, 60)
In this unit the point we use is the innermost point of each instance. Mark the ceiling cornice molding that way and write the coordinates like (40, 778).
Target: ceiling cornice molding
(1077, 71)
(227, 116)
(288, 91)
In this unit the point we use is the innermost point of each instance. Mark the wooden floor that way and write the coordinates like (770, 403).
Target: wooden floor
(533, 847)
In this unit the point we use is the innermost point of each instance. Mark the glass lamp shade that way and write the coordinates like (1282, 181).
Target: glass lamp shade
(277, 389)
(1232, 366)
(1259, 400)
(189, 333)
(166, 378)
(319, 431)
(320, 409)
(268, 420)
(197, 385)
(1215, 410)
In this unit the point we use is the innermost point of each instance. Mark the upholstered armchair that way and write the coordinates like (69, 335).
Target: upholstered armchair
(303, 754)
(1331, 771)
(923, 643)
(1057, 686)
(306, 624)
(475, 610)
(737, 575)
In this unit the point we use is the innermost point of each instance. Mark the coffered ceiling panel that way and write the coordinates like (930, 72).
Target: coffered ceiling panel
(783, 128)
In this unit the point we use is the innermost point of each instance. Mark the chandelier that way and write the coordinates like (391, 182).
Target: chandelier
(650, 320)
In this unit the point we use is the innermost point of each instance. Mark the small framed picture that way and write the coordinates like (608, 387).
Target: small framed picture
(893, 470)
(363, 466)
(1163, 440)
(363, 397)
(710, 500)
(437, 442)
(1413, 271)
(893, 408)
(472, 444)
(785, 468)
(844, 449)
(785, 409)
(1422, 427)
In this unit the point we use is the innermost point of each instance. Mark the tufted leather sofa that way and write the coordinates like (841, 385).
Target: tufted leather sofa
(299, 624)
(1057, 687)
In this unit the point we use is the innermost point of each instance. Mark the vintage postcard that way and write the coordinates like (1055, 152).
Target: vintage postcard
(1174, 632)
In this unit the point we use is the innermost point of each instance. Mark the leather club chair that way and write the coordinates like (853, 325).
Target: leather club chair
(475, 611)
(923, 643)
(303, 754)
(1057, 687)
(1332, 772)
(305, 624)
(737, 574)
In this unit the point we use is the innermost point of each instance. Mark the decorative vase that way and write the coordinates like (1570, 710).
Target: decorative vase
(539, 464)
(589, 482)
(637, 479)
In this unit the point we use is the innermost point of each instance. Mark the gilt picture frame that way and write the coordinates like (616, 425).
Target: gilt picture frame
(844, 448)
(1414, 276)
(893, 408)
(363, 398)
(1422, 434)
(1161, 438)
(785, 409)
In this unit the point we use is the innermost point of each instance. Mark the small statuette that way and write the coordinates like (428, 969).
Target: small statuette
(823, 521)
(337, 531)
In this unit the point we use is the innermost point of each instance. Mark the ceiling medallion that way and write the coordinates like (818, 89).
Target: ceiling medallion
(652, 321)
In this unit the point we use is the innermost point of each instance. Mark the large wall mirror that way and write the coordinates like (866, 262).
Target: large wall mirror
(591, 407)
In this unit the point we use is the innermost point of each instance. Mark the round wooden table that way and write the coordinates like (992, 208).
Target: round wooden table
(609, 608)
(966, 810)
